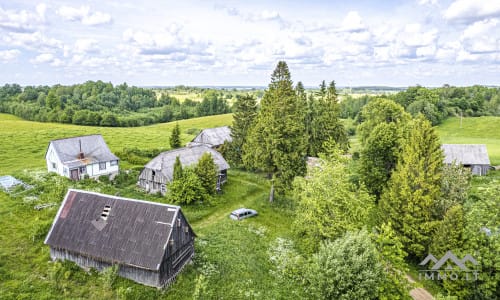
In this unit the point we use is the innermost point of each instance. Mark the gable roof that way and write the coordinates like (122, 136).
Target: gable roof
(165, 161)
(94, 149)
(213, 136)
(466, 154)
(134, 232)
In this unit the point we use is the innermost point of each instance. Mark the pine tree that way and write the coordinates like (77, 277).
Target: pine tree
(449, 232)
(245, 110)
(177, 169)
(207, 172)
(175, 137)
(414, 188)
(277, 141)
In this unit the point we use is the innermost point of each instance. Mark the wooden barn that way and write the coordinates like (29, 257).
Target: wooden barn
(150, 242)
(212, 137)
(78, 156)
(474, 157)
(160, 170)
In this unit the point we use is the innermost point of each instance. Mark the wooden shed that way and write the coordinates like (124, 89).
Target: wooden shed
(212, 137)
(472, 156)
(160, 170)
(150, 242)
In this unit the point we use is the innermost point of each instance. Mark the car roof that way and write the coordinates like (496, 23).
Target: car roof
(240, 210)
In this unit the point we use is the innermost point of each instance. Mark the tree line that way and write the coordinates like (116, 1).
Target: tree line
(436, 104)
(102, 104)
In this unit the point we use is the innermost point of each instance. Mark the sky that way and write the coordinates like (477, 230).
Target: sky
(238, 43)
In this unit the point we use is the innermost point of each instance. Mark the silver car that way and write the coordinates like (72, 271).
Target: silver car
(242, 213)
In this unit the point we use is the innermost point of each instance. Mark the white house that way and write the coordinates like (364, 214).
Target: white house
(79, 156)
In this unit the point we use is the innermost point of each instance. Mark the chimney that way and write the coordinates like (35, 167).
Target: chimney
(80, 155)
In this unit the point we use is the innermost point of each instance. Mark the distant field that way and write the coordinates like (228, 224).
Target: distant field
(24, 143)
(480, 130)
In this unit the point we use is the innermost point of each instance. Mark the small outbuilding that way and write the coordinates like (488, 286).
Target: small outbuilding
(212, 137)
(160, 170)
(149, 242)
(471, 156)
(76, 157)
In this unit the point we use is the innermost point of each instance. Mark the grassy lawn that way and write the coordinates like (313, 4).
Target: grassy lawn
(480, 130)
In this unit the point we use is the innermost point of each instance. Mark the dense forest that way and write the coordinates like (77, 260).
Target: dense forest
(102, 104)
(436, 104)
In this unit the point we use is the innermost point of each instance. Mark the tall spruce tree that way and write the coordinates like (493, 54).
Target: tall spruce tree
(381, 133)
(277, 141)
(414, 188)
(245, 111)
(177, 169)
(175, 137)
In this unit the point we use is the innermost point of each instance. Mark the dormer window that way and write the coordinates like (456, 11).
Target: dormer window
(105, 212)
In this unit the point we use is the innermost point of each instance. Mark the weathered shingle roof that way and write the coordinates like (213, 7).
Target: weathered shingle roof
(94, 149)
(213, 136)
(188, 156)
(134, 233)
(466, 154)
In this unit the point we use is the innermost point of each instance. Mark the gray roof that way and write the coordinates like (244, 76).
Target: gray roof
(134, 233)
(94, 149)
(466, 154)
(213, 136)
(164, 162)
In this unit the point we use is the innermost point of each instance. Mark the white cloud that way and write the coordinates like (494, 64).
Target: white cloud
(415, 36)
(41, 9)
(427, 2)
(352, 22)
(480, 28)
(85, 46)
(84, 15)
(22, 20)
(482, 37)
(9, 55)
(32, 41)
(472, 9)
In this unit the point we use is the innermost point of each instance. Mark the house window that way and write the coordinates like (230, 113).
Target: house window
(83, 170)
(114, 163)
(102, 166)
(65, 171)
(54, 165)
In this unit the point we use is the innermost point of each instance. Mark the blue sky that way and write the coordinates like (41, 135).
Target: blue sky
(395, 43)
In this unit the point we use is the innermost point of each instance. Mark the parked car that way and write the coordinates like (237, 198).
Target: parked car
(242, 213)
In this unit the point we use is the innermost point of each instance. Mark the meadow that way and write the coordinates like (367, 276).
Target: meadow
(233, 259)
(479, 130)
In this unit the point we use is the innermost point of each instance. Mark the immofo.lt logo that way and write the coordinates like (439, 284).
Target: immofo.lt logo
(444, 268)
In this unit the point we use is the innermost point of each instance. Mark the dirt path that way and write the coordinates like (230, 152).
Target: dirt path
(419, 293)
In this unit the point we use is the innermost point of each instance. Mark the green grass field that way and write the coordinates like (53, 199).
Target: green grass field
(24, 143)
(481, 130)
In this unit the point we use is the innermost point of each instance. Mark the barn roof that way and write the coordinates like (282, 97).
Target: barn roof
(134, 232)
(164, 162)
(466, 154)
(213, 136)
(93, 147)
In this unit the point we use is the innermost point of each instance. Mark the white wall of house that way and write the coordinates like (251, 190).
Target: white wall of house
(53, 162)
(105, 168)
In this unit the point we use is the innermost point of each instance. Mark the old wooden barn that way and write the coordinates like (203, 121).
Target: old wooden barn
(160, 170)
(212, 137)
(150, 242)
(474, 157)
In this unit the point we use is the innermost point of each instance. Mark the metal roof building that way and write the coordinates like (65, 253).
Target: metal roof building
(150, 242)
(473, 156)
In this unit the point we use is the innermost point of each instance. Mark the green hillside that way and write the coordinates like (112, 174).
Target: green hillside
(24, 143)
(480, 130)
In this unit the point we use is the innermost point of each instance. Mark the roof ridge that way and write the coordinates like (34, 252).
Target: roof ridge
(75, 137)
(123, 198)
